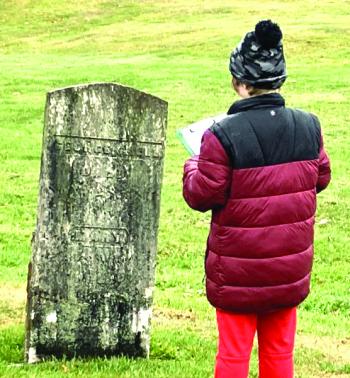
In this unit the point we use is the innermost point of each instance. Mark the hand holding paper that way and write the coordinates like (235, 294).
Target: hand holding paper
(191, 135)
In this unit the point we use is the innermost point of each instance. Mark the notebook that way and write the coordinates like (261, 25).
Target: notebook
(191, 135)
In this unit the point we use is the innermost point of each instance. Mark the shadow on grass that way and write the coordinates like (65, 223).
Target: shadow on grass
(12, 344)
(175, 352)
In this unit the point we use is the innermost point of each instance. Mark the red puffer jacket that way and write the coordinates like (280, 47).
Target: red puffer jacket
(258, 171)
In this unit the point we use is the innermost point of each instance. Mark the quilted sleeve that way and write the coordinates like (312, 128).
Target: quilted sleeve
(324, 169)
(207, 176)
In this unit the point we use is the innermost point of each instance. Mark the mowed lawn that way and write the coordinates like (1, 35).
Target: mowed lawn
(177, 50)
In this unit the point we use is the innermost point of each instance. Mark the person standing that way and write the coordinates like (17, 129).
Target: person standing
(258, 171)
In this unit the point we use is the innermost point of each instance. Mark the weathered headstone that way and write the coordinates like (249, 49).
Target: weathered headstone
(91, 275)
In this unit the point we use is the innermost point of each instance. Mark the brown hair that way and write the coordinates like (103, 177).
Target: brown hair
(253, 91)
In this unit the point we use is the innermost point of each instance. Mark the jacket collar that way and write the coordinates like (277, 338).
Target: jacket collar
(270, 100)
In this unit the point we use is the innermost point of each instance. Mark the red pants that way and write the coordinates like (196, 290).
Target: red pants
(276, 333)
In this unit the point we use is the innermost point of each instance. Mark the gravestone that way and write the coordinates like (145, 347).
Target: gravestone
(91, 275)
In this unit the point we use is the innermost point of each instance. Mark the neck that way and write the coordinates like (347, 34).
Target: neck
(261, 93)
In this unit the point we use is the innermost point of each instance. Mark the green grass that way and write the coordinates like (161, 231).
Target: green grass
(178, 51)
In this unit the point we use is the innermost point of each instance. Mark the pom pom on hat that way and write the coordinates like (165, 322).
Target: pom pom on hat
(268, 34)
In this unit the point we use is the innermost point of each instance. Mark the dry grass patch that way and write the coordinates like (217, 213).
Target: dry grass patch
(12, 305)
(189, 320)
(332, 348)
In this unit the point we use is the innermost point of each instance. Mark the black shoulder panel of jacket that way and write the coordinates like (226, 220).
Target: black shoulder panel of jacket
(261, 137)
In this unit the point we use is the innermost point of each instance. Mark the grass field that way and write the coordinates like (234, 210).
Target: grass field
(177, 50)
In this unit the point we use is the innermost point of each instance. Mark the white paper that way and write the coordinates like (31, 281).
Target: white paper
(191, 135)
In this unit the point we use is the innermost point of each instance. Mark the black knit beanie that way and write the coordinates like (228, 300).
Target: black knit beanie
(258, 60)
